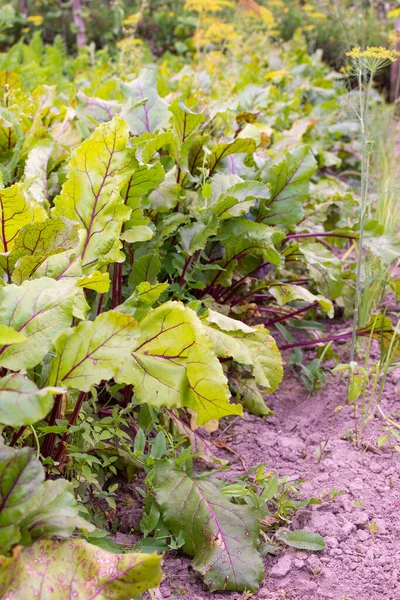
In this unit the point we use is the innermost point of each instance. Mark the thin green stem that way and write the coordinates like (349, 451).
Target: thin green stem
(364, 101)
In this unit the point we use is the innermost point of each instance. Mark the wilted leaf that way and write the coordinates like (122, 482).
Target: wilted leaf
(249, 395)
(286, 293)
(199, 445)
(252, 346)
(35, 173)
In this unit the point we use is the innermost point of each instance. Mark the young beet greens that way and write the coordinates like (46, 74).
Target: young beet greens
(155, 223)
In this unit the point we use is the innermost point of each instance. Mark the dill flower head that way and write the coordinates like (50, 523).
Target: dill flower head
(373, 58)
(394, 14)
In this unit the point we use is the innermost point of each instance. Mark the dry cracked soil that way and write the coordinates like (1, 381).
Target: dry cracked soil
(360, 562)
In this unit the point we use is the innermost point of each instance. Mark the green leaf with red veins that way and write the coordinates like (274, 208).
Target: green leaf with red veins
(20, 474)
(36, 242)
(35, 173)
(98, 170)
(185, 122)
(221, 536)
(238, 199)
(16, 211)
(240, 238)
(221, 151)
(173, 365)
(22, 402)
(145, 179)
(76, 569)
(288, 179)
(143, 108)
(208, 388)
(54, 511)
(39, 309)
(92, 351)
(100, 110)
(31, 508)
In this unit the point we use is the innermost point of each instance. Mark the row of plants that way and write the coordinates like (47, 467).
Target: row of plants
(155, 223)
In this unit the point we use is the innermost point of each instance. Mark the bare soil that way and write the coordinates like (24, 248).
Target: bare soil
(359, 562)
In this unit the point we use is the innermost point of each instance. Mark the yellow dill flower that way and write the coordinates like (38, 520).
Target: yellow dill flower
(132, 20)
(36, 20)
(317, 15)
(276, 3)
(207, 5)
(277, 75)
(216, 33)
(394, 14)
(373, 58)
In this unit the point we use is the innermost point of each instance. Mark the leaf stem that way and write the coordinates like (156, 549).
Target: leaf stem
(60, 451)
(292, 314)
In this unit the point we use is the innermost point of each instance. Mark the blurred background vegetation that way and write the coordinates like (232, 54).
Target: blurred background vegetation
(188, 27)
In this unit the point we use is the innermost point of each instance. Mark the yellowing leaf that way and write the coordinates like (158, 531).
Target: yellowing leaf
(39, 309)
(286, 293)
(8, 335)
(99, 282)
(22, 402)
(92, 351)
(15, 212)
(98, 170)
(172, 364)
(76, 569)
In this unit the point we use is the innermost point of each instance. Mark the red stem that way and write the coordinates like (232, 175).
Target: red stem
(17, 435)
(292, 314)
(295, 236)
(50, 438)
(185, 268)
(331, 338)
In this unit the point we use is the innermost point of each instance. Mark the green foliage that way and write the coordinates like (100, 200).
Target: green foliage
(79, 568)
(30, 507)
(220, 535)
(149, 219)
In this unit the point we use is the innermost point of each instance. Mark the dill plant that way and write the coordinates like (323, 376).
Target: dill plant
(366, 64)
